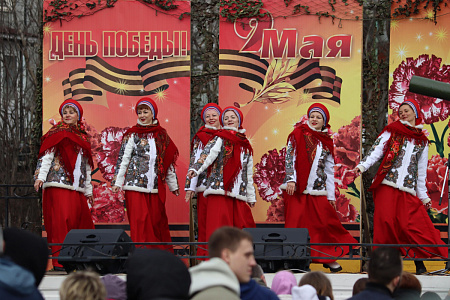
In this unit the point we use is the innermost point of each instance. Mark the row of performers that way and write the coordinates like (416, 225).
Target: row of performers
(221, 174)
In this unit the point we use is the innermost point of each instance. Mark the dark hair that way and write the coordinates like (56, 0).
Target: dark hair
(359, 286)
(385, 264)
(410, 282)
(226, 238)
(319, 281)
(430, 296)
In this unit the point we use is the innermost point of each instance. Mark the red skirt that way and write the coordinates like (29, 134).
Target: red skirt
(148, 219)
(317, 215)
(226, 211)
(401, 218)
(202, 250)
(64, 210)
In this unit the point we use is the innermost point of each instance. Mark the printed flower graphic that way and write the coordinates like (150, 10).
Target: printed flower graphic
(346, 144)
(269, 174)
(345, 211)
(435, 181)
(275, 212)
(343, 176)
(108, 150)
(108, 206)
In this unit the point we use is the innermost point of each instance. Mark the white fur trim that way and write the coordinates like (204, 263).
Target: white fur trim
(426, 200)
(63, 186)
(361, 168)
(211, 127)
(154, 122)
(316, 193)
(312, 128)
(230, 128)
(139, 189)
(420, 126)
(401, 188)
(229, 194)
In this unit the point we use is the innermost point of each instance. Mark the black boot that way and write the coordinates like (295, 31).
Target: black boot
(420, 267)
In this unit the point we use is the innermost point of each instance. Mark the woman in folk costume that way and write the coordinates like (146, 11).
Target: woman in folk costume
(211, 117)
(145, 164)
(399, 191)
(309, 198)
(228, 157)
(64, 172)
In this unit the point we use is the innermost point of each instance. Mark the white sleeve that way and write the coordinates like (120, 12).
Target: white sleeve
(251, 196)
(375, 153)
(211, 151)
(421, 188)
(88, 182)
(191, 184)
(329, 170)
(120, 178)
(45, 166)
(171, 179)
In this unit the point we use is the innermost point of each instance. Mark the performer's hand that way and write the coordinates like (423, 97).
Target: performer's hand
(251, 204)
(38, 184)
(427, 205)
(290, 188)
(189, 196)
(176, 192)
(191, 174)
(115, 189)
(90, 200)
(357, 171)
(332, 203)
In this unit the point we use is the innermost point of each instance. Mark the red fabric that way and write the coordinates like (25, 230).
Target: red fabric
(202, 250)
(67, 140)
(401, 218)
(306, 140)
(399, 132)
(234, 143)
(204, 135)
(166, 152)
(64, 210)
(148, 219)
(226, 211)
(317, 215)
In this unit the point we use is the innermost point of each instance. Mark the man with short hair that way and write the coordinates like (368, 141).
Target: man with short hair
(385, 270)
(227, 275)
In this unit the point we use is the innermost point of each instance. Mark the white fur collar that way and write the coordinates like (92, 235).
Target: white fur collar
(312, 128)
(153, 122)
(211, 127)
(420, 126)
(234, 129)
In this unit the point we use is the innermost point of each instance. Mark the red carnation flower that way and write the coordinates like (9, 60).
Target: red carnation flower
(433, 109)
(108, 150)
(108, 206)
(345, 211)
(275, 212)
(343, 175)
(435, 180)
(346, 144)
(94, 136)
(270, 173)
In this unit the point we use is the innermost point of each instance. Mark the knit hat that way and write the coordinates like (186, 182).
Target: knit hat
(150, 103)
(415, 107)
(116, 288)
(283, 282)
(236, 111)
(208, 107)
(320, 108)
(74, 104)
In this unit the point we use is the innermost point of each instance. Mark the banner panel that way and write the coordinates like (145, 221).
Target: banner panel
(109, 60)
(418, 47)
(274, 68)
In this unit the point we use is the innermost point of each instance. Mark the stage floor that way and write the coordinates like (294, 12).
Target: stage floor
(342, 282)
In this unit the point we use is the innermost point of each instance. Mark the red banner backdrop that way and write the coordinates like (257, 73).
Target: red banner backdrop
(109, 60)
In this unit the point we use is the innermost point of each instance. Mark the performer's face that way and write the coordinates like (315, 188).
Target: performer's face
(145, 114)
(70, 116)
(316, 120)
(406, 113)
(230, 119)
(212, 118)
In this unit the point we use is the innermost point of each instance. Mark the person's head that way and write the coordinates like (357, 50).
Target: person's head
(430, 296)
(231, 117)
(258, 273)
(211, 115)
(319, 281)
(146, 110)
(318, 116)
(283, 282)
(116, 288)
(82, 285)
(71, 112)
(385, 267)
(17, 247)
(409, 111)
(359, 285)
(156, 274)
(410, 282)
(235, 247)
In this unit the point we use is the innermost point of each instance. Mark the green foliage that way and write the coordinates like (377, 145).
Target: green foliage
(233, 10)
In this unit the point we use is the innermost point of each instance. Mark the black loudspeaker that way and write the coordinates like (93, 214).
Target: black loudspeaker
(278, 248)
(102, 250)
